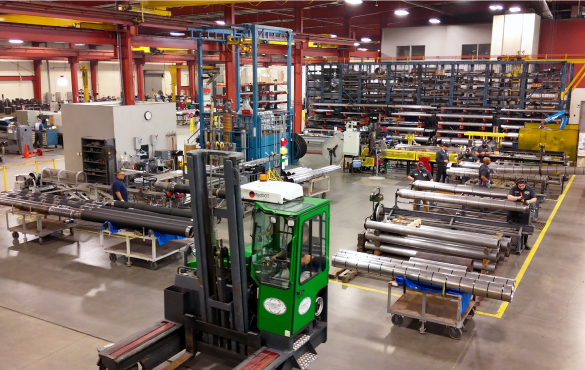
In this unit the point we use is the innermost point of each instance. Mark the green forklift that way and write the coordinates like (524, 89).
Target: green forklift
(258, 306)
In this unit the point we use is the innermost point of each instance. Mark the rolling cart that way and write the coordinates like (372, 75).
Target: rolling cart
(37, 224)
(427, 305)
(143, 247)
(316, 187)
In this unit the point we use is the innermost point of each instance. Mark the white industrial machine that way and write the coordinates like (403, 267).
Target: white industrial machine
(351, 139)
(271, 191)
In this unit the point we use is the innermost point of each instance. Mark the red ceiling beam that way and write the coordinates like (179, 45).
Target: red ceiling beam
(56, 34)
(262, 5)
(14, 52)
(17, 78)
(166, 42)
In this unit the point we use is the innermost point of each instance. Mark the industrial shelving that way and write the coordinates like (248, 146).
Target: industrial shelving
(98, 157)
(445, 98)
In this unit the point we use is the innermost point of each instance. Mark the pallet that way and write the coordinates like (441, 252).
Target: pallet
(406, 221)
(347, 276)
(335, 273)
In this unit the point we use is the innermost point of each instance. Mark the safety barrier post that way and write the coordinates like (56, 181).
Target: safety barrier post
(37, 166)
(54, 166)
(5, 182)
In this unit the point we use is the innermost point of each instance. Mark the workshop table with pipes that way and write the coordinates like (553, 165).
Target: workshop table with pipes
(62, 300)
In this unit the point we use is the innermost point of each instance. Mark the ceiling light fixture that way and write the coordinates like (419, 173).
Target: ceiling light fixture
(177, 34)
(366, 39)
(401, 12)
(79, 44)
(333, 36)
(356, 44)
(353, 2)
(515, 9)
(496, 7)
(434, 21)
(362, 49)
(14, 41)
(220, 22)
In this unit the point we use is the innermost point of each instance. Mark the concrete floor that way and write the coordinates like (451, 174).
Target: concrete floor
(61, 300)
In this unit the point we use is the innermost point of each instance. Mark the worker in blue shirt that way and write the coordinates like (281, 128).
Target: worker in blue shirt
(119, 187)
(39, 128)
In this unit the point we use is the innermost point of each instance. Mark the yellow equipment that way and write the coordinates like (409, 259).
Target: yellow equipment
(85, 78)
(173, 71)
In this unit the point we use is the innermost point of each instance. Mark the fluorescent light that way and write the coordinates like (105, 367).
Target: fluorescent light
(378, 50)
(366, 39)
(496, 7)
(220, 22)
(356, 44)
(362, 49)
(434, 21)
(353, 2)
(177, 34)
(333, 36)
(515, 9)
(401, 12)
(15, 41)
(79, 44)
(62, 81)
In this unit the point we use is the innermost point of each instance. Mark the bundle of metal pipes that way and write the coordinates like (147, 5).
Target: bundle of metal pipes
(471, 202)
(430, 274)
(117, 213)
(529, 170)
(473, 173)
(302, 174)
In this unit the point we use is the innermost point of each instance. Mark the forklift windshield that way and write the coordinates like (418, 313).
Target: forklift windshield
(272, 249)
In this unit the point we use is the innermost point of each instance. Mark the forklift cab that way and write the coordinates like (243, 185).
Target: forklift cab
(290, 265)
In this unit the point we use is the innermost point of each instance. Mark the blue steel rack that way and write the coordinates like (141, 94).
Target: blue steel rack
(259, 143)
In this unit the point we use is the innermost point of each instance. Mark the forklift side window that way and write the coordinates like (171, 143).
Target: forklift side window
(272, 249)
(313, 259)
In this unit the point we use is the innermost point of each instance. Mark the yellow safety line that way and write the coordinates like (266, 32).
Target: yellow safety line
(504, 305)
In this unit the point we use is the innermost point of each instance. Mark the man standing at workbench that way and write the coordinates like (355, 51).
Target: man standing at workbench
(484, 148)
(442, 160)
(521, 192)
(119, 188)
(420, 174)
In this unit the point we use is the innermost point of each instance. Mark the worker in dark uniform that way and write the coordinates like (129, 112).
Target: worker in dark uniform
(422, 174)
(484, 173)
(521, 192)
(484, 148)
(442, 160)
(468, 156)
(39, 128)
(119, 189)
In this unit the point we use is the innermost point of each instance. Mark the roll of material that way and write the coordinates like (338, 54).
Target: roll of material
(433, 246)
(460, 189)
(472, 202)
(434, 233)
(458, 281)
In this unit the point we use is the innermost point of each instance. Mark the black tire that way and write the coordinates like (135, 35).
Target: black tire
(324, 196)
(299, 147)
(113, 257)
(471, 313)
(455, 333)
(15, 235)
(152, 265)
(397, 320)
(72, 231)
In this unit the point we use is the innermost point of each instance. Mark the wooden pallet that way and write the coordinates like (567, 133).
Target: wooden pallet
(406, 221)
(344, 275)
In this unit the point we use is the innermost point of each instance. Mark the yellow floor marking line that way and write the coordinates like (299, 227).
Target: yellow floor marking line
(363, 288)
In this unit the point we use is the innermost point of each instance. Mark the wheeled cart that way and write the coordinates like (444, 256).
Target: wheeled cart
(318, 186)
(37, 224)
(425, 305)
(144, 247)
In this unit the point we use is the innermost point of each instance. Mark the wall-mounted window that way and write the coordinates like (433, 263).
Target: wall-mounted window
(476, 51)
(410, 51)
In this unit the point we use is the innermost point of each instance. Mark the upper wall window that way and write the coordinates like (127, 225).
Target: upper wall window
(410, 51)
(476, 51)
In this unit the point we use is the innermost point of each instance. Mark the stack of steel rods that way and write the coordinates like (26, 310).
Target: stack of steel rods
(430, 274)
(302, 174)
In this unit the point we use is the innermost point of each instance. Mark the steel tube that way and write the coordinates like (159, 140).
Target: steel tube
(430, 245)
(172, 187)
(538, 170)
(462, 189)
(473, 202)
(468, 172)
(434, 233)
(161, 210)
(436, 279)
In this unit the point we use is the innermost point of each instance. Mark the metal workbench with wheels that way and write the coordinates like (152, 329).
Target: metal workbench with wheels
(37, 224)
(425, 305)
(143, 247)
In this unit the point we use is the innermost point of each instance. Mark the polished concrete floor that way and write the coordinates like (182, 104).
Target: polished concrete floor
(61, 300)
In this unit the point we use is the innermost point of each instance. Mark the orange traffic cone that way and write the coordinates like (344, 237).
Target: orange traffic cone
(26, 154)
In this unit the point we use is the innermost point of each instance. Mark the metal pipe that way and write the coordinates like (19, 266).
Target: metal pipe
(430, 245)
(162, 210)
(539, 170)
(462, 189)
(473, 165)
(434, 233)
(468, 172)
(302, 177)
(172, 187)
(473, 202)
(436, 279)
(478, 265)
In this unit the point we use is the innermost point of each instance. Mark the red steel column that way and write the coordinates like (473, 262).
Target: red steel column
(93, 69)
(298, 86)
(347, 26)
(229, 16)
(140, 79)
(191, 65)
(127, 67)
(74, 64)
(298, 20)
(37, 80)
